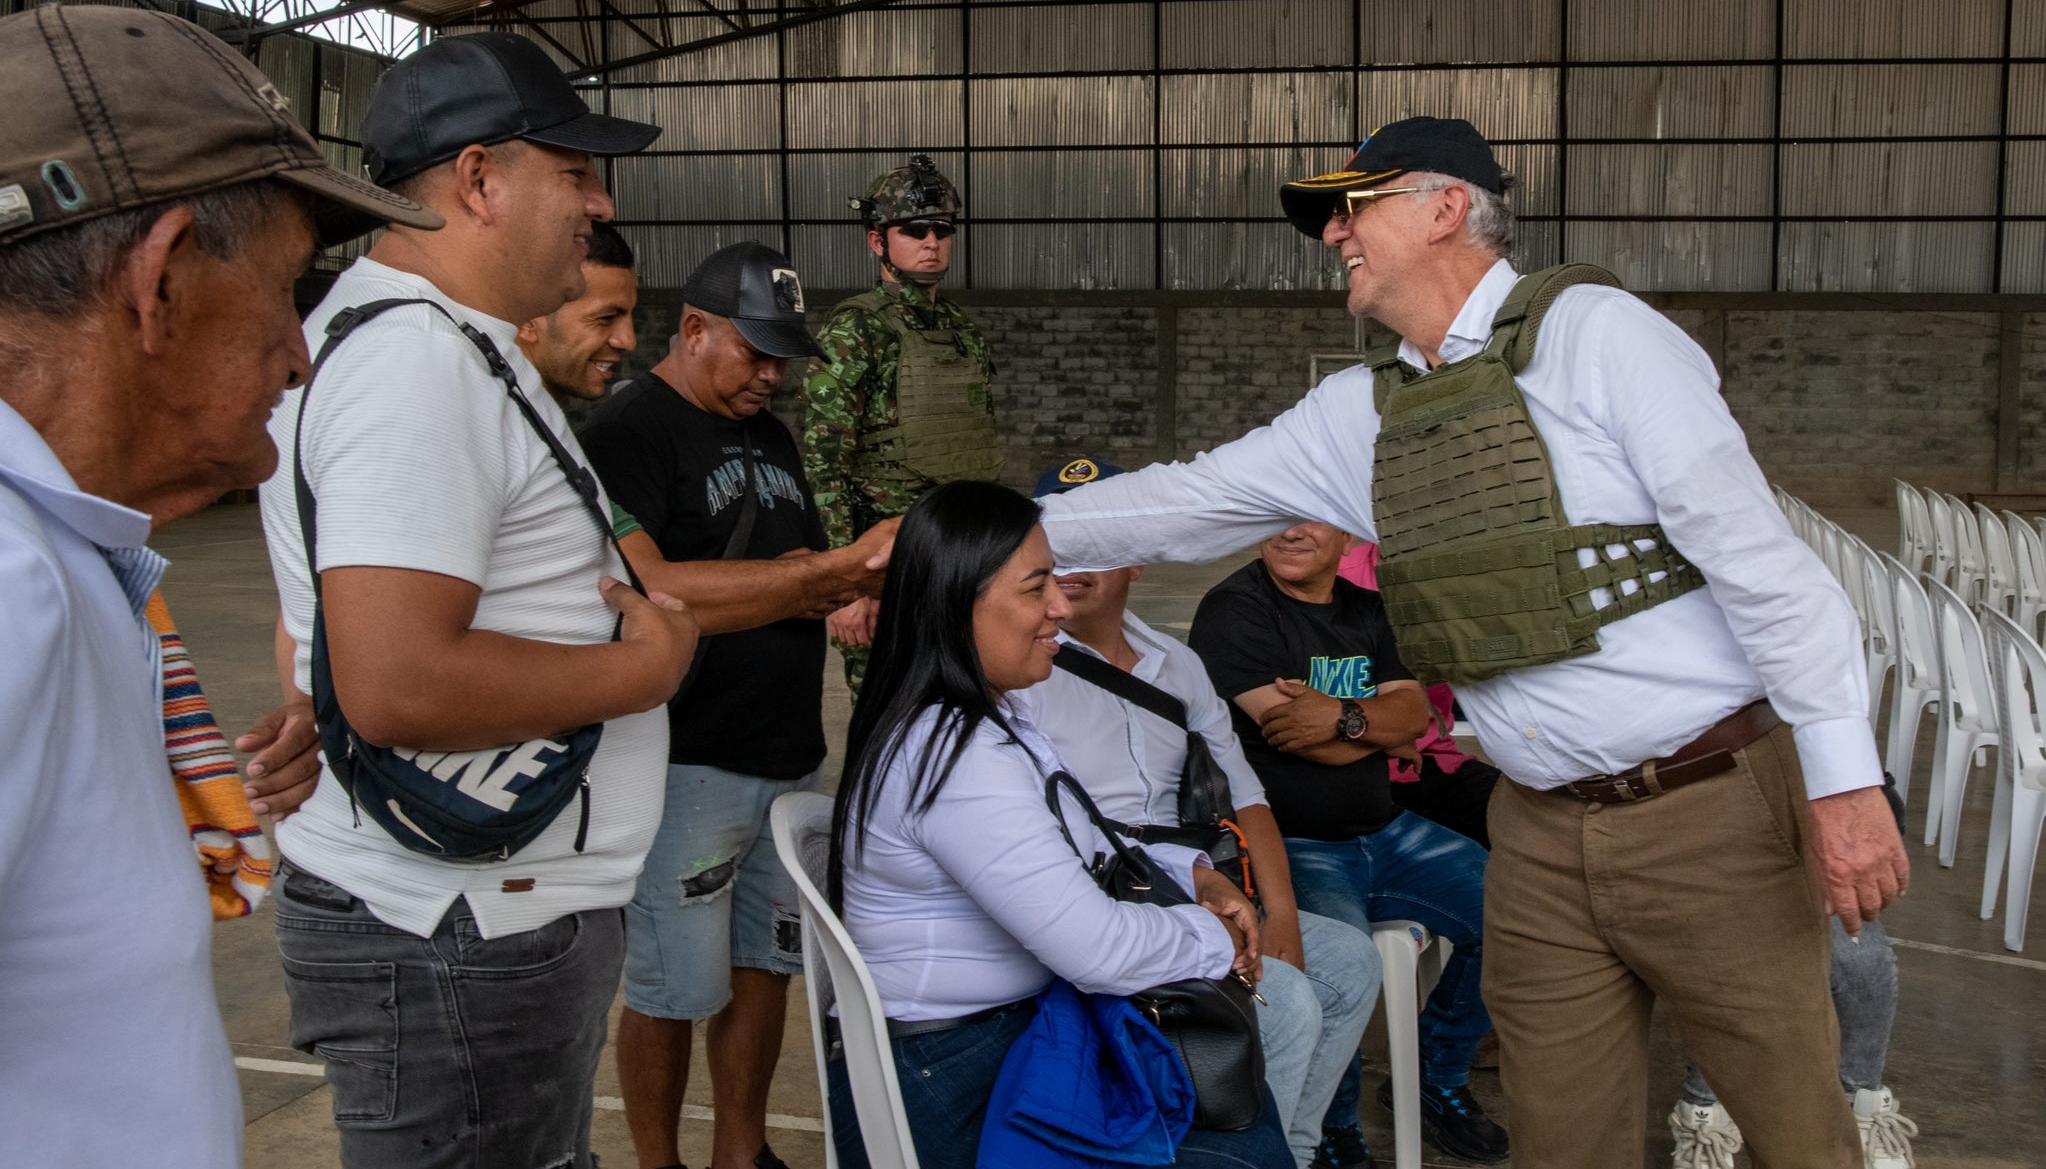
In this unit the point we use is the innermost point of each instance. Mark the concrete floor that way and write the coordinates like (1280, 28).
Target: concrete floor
(1968, 1059)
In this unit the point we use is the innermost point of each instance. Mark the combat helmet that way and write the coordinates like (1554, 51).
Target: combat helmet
(908, 192)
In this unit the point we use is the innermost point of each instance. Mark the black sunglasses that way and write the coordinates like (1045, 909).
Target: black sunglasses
(919, 228)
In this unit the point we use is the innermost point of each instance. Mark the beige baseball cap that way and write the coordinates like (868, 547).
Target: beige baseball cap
(116, 108)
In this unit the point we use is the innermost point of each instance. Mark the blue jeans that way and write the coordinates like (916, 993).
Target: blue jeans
(1423, 872)
(454, 1051)
(947, 1077)
(1311, 1022)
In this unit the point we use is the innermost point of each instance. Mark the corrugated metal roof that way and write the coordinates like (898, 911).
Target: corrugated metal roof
(1245, 255)
(2024, 258)
(1033, 39)
(1233, 183)
(723, 117)
(1676, 101)
(1202, 34)
(1255, 107)
(1889, 178)
(1847, 101)
(837, 257)
(665, 256)
(1693, 256)
(1891, 28)
(1061, 111)
(2028, 99)
(907, 42)
(820, 184)
(1400, 32)
(2024, 179)
(1534, 168)
(1628, 30)
(920, 115)
(1669, 180)
(1078, 255)
(1085, 184)
(1501, 103)
(1886, 257)
(717, 187)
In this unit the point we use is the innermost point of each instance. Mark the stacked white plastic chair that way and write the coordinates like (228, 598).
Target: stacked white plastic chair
(1917, 685)
(2028, 550)
(1879, 625)
(1967, 716)
(1940, 512)
(1999, 561)
(1915, 540)
(1412, 957)
(832, 966)
(2019, 810)
(1968, 571)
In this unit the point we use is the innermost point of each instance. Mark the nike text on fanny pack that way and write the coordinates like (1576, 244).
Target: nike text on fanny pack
(487, 776)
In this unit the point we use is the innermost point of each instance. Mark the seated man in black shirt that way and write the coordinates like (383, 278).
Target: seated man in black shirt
(712, 932)
(1319, 694)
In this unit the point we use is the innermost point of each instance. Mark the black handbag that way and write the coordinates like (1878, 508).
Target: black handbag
(1212, 1022)
(1207, 812)
(473, 806)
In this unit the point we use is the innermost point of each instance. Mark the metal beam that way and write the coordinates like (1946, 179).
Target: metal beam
(747, 33)
(721, 14)
(236, 36)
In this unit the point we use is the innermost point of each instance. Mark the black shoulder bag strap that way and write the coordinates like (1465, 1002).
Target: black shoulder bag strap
(749, 507)
(1204, 799)
(581, 478)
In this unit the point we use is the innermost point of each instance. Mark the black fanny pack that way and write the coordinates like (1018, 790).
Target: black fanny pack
(476, 806)
(1207, 813)
(1212, 1022)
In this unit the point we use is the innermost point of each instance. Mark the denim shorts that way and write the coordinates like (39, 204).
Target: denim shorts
(449, 1052)
(713, 895)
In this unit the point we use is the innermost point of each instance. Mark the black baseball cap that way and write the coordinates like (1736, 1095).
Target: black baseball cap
(1073, 473)
(756, 288)
(478, 90)
(1443, 146)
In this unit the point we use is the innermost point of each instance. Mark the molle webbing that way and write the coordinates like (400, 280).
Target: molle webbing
(1481, 572)
(944, 428)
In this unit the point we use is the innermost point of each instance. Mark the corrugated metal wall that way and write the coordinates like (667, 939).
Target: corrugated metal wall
(1794, 145)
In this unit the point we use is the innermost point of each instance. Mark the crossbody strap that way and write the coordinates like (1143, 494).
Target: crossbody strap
(749, 507)
(581, 479)
(1122, 684)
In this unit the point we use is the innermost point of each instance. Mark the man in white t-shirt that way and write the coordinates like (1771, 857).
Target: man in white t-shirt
(461, 1006)
(146, 329)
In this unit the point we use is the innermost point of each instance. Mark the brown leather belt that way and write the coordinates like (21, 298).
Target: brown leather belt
(1708, 755)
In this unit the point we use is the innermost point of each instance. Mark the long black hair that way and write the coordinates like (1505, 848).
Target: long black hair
(951, 545)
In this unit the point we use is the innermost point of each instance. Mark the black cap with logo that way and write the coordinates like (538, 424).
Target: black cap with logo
(757, 289)
(478, 90)
(1073, 473)
(1443, 146)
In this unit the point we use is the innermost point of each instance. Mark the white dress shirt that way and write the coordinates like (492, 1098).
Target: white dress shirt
(1132, 764)
(111, 1046)
(978, 900)
(1637, 433)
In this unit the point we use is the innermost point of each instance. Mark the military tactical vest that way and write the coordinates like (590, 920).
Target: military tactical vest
(944, 423)
(1481, 572)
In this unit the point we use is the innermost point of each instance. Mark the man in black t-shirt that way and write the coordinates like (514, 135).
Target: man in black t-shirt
(1320, 693)
(689, 450)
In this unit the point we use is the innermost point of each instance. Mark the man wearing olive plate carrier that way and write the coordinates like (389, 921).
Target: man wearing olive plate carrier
(441, 552)
(1575, 534)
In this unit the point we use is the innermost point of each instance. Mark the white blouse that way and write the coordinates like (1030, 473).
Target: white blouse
(979, 901)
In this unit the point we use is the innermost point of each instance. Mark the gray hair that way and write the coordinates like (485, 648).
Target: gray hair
(1489, 224)
(64, 271)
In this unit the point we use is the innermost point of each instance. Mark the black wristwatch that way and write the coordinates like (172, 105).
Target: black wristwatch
(1351, 724)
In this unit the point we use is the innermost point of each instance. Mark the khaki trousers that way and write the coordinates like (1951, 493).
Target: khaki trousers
(1701, 898)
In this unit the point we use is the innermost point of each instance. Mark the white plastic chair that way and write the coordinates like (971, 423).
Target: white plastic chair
(1412, 957)
(2028, 549)
(1943, 553)
(802, 833)
(1967, 716)
(1879, 631)
(1999, 562)
(1968, 570)
(1917, 685)
(1914, 528)
(2019, 811)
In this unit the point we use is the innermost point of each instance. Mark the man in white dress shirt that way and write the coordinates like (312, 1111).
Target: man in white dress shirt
(156, 205)
(1576, 533)
(1321, 976)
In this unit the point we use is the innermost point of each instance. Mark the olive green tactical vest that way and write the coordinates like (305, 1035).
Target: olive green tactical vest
(944, 424)
(1481, 572)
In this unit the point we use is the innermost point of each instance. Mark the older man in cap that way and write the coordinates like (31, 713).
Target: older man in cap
(156, 206)
(1575, 533)
(444, 561)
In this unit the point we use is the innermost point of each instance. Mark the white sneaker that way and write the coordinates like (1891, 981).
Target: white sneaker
(1706, 1136)
(1885, 1132)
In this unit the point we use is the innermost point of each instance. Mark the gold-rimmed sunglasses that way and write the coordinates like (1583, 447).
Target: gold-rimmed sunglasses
(1353, 201)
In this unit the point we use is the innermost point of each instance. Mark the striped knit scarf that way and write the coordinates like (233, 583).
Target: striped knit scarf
(223, 826)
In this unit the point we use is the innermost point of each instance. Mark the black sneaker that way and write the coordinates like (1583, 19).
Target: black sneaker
(1455, 1123)
(765, 1159)
(1342, 1148)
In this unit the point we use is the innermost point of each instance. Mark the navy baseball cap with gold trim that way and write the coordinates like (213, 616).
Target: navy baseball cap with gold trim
(1443, 146)
(1073, 473)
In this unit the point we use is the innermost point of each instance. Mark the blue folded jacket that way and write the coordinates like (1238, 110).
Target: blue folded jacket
(1090, 1085)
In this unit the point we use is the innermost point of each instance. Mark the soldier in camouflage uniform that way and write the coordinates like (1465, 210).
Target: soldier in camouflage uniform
(904, 398)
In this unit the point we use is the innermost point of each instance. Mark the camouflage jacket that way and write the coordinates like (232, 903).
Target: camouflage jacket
(851, 394)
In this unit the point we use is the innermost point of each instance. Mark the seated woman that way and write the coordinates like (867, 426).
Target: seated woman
(948, 867)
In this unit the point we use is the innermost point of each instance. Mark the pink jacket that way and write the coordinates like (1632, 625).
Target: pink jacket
(1360, 568)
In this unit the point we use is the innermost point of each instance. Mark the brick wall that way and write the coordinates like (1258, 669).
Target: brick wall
(1835, 403)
